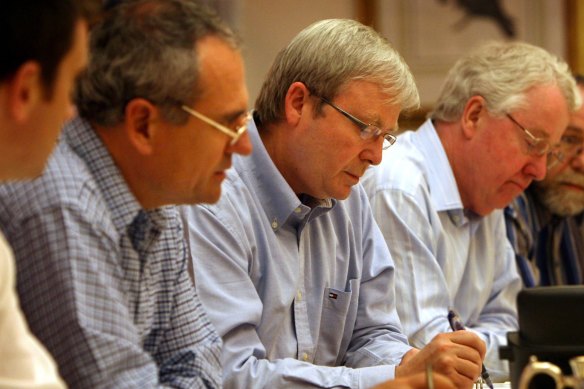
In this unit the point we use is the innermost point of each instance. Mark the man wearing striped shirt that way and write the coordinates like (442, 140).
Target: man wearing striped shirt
(545, 223)
(290, 264)
(437, 196)
(102, 264)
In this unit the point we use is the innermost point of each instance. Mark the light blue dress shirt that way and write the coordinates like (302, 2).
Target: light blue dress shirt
(445, 256)
(300, 291)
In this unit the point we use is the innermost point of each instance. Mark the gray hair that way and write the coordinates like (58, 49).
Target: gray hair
(146, 48)
(327, 55)
(502, 73)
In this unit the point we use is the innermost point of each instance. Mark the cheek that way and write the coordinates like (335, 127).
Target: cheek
(558, 171)
(515, 165)
(64, 92)
(497, 180)
(206, 157)
(349, 153)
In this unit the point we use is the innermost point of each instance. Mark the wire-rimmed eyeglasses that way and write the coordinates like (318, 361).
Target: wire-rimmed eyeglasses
(367, 131)
(234, 134)
(540, 146)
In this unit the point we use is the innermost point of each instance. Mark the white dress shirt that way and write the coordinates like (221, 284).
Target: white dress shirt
(24, 362)
(446, 257)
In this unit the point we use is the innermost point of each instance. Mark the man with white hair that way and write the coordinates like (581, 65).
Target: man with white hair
(545, 223)
(436, 193)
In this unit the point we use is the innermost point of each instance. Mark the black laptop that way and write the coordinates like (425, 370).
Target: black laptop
(551, 327)
(552, 315)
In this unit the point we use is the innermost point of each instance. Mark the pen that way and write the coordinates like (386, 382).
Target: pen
(456, 324)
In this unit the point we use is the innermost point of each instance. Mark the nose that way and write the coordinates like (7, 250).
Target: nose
(373, 151)
(242, 146)
(577, 161)
(536, 168)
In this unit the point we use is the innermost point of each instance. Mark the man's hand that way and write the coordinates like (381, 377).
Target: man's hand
(418, 381)
(457, 355)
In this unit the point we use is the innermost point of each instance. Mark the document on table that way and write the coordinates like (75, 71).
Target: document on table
(502, 385)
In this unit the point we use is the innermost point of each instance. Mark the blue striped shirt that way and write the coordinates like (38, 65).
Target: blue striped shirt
(104, 283)
(301, 290)
(444, 255)
(549, 249)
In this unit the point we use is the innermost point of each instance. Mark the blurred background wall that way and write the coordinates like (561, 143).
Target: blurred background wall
(430, 34)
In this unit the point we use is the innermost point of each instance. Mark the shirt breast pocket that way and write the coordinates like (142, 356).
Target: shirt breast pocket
(339, 311)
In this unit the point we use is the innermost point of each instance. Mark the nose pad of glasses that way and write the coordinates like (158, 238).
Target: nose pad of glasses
(554, 158)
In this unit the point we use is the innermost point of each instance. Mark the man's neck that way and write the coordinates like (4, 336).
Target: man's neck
(129, 162)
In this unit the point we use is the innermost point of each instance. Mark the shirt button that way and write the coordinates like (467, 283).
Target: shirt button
(274, 224)
(299, 295)
(297, 210)
(305, 357)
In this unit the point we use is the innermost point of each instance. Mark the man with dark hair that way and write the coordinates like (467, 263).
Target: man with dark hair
(545, 224)
(36, 75)
(102, 263)
(38, 69)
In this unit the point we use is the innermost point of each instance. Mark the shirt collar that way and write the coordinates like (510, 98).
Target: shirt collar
(124, 207)
(278, 200)
(443, 187)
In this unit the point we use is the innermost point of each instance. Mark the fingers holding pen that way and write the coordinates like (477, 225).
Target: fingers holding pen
(457, 355)
(471, 341)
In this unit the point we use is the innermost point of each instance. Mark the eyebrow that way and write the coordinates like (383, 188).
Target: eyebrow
(231, 117)
(539, 133)
(579, 130)
(377, 122)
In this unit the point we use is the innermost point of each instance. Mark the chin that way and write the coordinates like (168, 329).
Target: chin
(340, 195)
(485, 209)
(562, 202)
(343, 196)
(210, 197)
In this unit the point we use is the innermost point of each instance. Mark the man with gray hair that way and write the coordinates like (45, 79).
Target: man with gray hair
(545, 223)
(290, 264)
(104, 279)
(437, 195)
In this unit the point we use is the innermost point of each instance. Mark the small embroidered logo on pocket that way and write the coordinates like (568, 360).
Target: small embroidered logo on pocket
(333, 295)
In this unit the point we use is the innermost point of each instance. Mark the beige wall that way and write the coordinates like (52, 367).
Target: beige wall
(575, 41)
(267, 25)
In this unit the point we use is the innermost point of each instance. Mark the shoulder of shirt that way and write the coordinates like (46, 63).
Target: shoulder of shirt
(236, 203)
(66, 182)
(403, 168)
(356, 202)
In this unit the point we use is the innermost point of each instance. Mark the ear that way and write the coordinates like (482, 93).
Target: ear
(473, 110)
(25, 90)
(141, 124)
(295, 101)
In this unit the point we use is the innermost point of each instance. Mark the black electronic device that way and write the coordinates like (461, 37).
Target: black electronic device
(551, 327)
